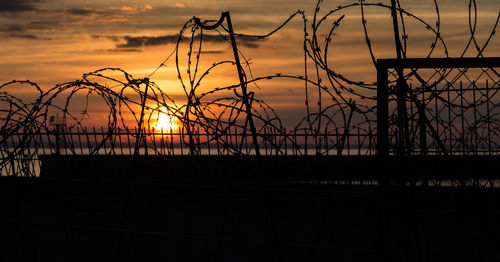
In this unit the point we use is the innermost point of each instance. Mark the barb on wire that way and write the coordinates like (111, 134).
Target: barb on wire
(336, 106)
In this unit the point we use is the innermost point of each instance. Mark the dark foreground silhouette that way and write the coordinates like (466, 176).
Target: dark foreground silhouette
(251, 209)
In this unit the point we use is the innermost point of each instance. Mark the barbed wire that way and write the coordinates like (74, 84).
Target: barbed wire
(341, 105)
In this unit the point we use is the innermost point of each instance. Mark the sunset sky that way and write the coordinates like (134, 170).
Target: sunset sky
(54, 41)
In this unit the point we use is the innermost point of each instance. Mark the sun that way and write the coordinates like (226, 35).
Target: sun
(165, 123)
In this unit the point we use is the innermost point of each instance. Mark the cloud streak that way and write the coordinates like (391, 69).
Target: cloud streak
(29, 36)
(145, 41)
(18, 5)
(42, 29)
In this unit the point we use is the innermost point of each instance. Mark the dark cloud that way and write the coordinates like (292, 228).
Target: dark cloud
(22, 29)
(86, 11)
(48, 23)
(81, 11)
(29, 36)
(109, 37)
(17, 5)
(142, 41)
(74, 16)
(13, 29)
(27, 13)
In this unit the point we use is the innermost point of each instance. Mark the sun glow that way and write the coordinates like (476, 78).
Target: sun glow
(165, 123)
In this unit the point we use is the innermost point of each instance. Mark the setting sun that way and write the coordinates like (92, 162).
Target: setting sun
(165, 123)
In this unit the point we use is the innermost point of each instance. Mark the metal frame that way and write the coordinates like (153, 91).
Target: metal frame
(383, 65)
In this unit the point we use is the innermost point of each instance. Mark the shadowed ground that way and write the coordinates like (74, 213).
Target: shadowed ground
(251, 209)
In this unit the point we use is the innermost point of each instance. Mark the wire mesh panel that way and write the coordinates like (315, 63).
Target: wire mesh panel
(439, 106)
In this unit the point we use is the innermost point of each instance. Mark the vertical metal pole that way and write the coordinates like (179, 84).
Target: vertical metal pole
(121, 144)
(285, 138)
(474, 110)
(462, 135)
(58, 152)
(103, 140)
(382, 155)
(402, 88)
(79, 140)
(382, 111)
(181, 141)
(488, 100)
(128, 142)
(141, 119)
(245, 95)
(369, 140)
(423, 132)
(305, 142)
(95, 141)
(247, 98)
(171, 142)
(208, 143)
(359, 143)
(450, 132)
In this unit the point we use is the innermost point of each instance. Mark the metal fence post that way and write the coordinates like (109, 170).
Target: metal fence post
(247, 97)
(382, 110)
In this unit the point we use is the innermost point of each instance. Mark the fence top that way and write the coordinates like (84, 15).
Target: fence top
(455, 62)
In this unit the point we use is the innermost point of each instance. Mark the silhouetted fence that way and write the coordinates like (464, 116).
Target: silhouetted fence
(424, 107)
(448, 106)
(21, 158)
